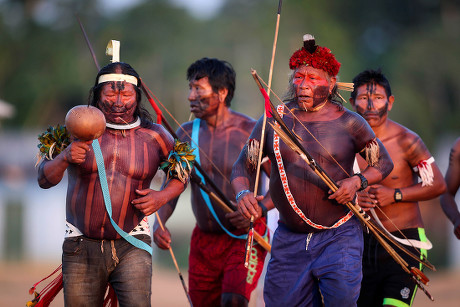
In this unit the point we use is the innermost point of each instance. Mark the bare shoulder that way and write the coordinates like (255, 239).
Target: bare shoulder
(349, 115)
(355, 123)
(243, 121)
(409, 142)
(405, 137)
(184, 132)
(454, 156)
(156, 130)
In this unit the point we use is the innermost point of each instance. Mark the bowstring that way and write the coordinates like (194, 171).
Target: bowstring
(189, 136)
(201, 151)
(378, 207)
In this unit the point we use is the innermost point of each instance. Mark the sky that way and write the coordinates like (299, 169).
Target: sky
(197, 8)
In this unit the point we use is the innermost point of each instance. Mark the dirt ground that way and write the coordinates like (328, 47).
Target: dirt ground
(16, 278)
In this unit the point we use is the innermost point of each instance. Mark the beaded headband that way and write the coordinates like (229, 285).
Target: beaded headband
(113, 49)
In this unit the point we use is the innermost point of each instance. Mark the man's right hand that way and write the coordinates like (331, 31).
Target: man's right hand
(75, 153)
(162, 238)
(366, 200)
(248, 205)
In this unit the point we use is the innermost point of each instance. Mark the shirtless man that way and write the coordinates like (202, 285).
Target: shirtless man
(133, 148)
(217, 276)
(317, 247)
(397, 196)
(449, 206)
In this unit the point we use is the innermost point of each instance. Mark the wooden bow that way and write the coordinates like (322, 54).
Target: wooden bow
(262, 138)
(345, 86)
(293, 142)
(159, 117)
(219, 197)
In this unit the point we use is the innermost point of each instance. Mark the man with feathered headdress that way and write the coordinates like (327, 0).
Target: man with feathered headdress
(317, 247)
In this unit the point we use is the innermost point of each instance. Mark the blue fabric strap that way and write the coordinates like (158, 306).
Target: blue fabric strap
(108, 204)
(207, 200)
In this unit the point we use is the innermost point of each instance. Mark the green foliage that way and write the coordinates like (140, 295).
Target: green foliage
(47, 68)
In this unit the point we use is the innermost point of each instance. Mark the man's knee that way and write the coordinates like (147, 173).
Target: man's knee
(233, 300)
(346, 296)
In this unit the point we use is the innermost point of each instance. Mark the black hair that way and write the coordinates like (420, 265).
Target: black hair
(370, 76)
(126, 69)
(221, 75)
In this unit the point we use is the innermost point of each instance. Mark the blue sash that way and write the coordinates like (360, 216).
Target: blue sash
(207, 200)
(108, 204)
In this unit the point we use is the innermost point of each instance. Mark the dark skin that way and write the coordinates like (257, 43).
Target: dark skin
(131, 197)
(312, 196)
(222, 135)
(406, 150)
(452, 177)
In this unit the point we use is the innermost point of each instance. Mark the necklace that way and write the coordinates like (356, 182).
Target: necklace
(124, 127)
(314, 109)
(317, 108)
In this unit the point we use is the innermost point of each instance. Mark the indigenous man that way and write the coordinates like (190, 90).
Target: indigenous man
(449, 206)
(132, 147)
(217, 275)
(317, 247)
(397, 196)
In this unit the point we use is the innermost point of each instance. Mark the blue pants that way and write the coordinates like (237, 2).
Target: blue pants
(88, 265)
(306, 269)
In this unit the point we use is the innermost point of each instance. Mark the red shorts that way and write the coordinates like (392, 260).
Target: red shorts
(216, 266)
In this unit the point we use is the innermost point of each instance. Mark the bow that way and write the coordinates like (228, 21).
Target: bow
(159, 117)
(293, 142)
(348, 87)
(218, 196)
(262, 138)
(270, 75)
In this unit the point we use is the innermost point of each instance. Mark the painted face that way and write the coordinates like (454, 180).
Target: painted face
(118, 102)
(203, 101)
(312, 86)
(372, 103)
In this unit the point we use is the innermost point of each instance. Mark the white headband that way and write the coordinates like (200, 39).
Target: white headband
(116, 78)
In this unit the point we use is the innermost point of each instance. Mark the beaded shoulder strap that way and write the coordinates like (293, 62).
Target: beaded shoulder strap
(287, 190)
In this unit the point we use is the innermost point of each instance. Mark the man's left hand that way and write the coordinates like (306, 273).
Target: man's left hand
(347, 189)
(149, 201)
(238, 220)
(383, 195)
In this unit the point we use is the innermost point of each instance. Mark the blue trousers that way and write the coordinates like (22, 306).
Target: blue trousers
(88, 265)
(309, 269)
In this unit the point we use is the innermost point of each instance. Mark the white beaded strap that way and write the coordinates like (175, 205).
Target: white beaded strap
(287, 190)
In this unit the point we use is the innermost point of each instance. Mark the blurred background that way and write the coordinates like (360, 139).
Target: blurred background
(46, 69)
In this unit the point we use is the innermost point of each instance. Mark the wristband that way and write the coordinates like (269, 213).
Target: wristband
(364, 182)
(264, 209)
(398, 195)
(241, 193)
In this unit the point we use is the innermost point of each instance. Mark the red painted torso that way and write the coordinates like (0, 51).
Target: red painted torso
(131, 161)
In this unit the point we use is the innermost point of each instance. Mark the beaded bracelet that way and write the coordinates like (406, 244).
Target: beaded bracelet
(241, 193)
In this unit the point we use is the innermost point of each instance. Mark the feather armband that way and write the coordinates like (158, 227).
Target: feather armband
(252, 154)
(372, 152)
(52, 142)
(425, 171)
(179, 162)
